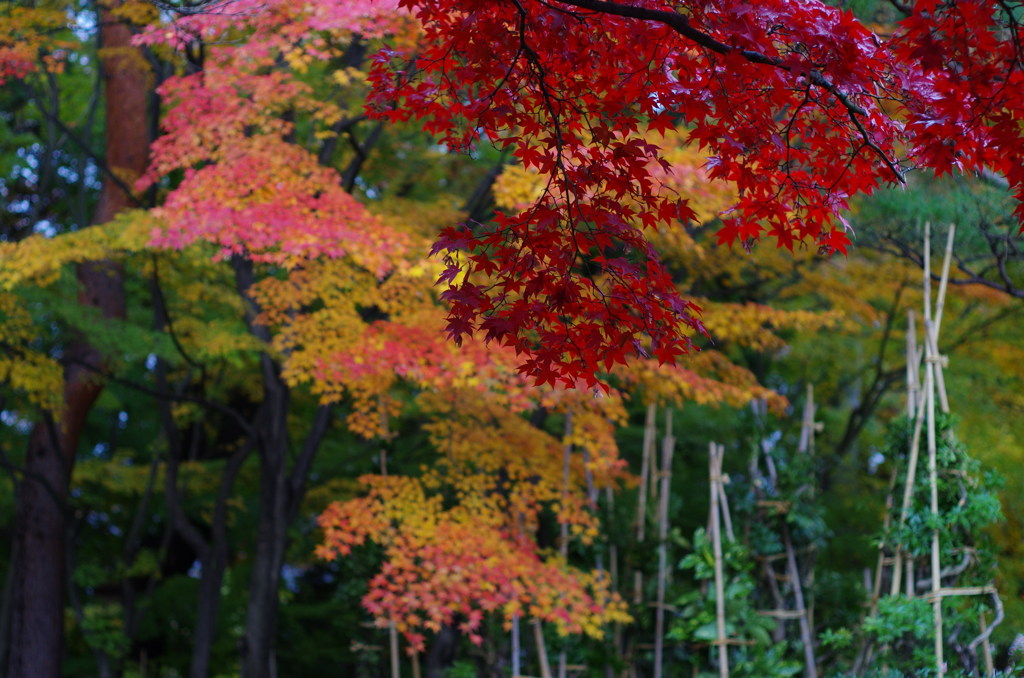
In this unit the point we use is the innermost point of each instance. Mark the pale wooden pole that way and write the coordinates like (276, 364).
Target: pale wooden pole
(668, 445)
(810, 664)
(908, 489)
(516, 667)
(542, 652)
(716, 546)
(723, 498)
(641, 504)
(933, 486)
(563, 546)
(912, 360)
(386, 437)
(929, 395)
(806, 636)
(940, 302)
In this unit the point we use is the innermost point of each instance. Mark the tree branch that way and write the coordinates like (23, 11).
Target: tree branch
(681, 25)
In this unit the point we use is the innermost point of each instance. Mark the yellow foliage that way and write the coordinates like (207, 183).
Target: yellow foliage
(38, 260)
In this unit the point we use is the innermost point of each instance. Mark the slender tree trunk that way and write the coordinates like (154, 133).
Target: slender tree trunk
(282, 487)
(39, 581)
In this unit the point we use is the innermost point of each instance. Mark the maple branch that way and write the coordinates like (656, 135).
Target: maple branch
(300, 472)
(330, 144)
(1006, 282)
(163, 313)
(362, 150)
(163, 395)
(902, 7)
(681, 24)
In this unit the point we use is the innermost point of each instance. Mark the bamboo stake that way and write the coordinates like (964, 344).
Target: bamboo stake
(516, 668)
(653, 474)
(416, 665)
(592, 499)
(940, 381)
(986, 648)
(641, 505)
(668, 444)
(912, 360)
(716, 545)
(392, 630)
(810, 665)
(393, 649)
(723, 498)
(940, 302)
(911, 590)
(933, 483)
(927, 256)
(908, 489)
(542, 653)
(807, 430)
(806, 445)
(563, 546)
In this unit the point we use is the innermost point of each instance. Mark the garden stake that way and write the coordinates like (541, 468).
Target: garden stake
(666, 477)
(716, 545)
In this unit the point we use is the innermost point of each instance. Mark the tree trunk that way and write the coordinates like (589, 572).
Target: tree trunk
(282, 487)
(261, 615)
(39, 580)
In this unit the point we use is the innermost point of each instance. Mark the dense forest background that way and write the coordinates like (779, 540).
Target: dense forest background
(235, 440)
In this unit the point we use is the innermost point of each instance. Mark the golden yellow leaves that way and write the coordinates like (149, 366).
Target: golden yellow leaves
(516, 188)
(38, 260)
(755, 325)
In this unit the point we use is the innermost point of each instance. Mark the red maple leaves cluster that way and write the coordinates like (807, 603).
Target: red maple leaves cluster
(798, 104)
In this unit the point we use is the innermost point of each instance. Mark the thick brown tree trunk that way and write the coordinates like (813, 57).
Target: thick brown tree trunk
(39, 581)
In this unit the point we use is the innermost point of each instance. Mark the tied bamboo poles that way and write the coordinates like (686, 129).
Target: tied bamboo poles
(921, 405)
(925, 412)
(913, 390)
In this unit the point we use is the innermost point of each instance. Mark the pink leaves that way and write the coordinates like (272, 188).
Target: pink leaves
(269, 200)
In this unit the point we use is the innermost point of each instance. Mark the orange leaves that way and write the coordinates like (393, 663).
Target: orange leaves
(27, 36)
(453, 561)
(447, 566)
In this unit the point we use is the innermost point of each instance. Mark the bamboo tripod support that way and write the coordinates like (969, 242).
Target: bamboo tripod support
(921, 403)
